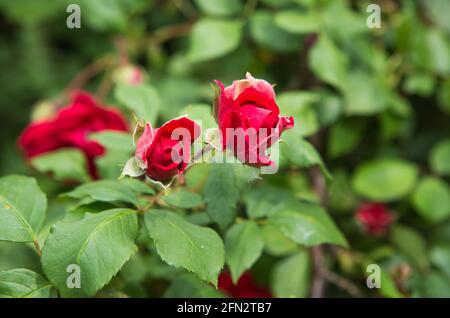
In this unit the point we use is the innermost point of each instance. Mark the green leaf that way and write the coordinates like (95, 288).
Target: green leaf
(440, 158)
(328, 62)
(199, 218)
(299, 152)
(411, 244)
(22, 209)
(189, 286)
(350, 25)
(104, 14)
(437, 11)
(64, 164)
(308, 224)
(385, 179)
(299, 104)
(266, 200)
(298, 22)
(109, 165)
(439, 49)
(440, 257)
(341, 196)
(432, 199)
(243, 247)
(277, 3)
(422, 84)
(221, 194)
(114, 140)
(106, 191)
(275, 242)
(444, 96)
(19, 12)
(329, 108)
(291, 277)
(437, 285)
(266, 33)
(220, 7)
(200, 113)
(177, 92)
(365, 93)
(388, 287)
(183, 199)
(23, 283)
(213, 38)
(244, 175)
(99, 244)
(138, 186)
(344, 137)
(142, 100)
(181, 244)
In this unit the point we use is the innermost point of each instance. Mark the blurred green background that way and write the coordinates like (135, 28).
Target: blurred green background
(358, 94)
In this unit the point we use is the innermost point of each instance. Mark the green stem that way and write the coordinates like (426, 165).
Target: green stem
(37, 247)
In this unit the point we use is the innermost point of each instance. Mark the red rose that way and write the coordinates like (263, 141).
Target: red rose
(375, 218)
(248, 108)
(245, 287)
(70, 127)
(165, 151)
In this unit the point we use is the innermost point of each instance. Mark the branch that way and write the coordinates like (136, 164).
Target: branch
(186, 8)
(342, 283)
(86, 74)
(318, 284)
(319, 185)
(168, 33)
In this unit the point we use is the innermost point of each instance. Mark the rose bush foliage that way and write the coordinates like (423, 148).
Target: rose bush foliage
(92, 180)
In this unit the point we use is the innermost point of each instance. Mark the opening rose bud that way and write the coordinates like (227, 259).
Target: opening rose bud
(249, 119)
(164, 152)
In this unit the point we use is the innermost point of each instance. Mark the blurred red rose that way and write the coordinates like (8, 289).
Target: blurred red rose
(155, 148)
(249, 106)
(375, 218)
(245, 288)
(70, 127)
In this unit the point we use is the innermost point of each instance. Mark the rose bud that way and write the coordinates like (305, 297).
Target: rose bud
(375, 218)
(249, 119)
(245, 287)
(165, 152)
(129, 74)
(70, 128)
